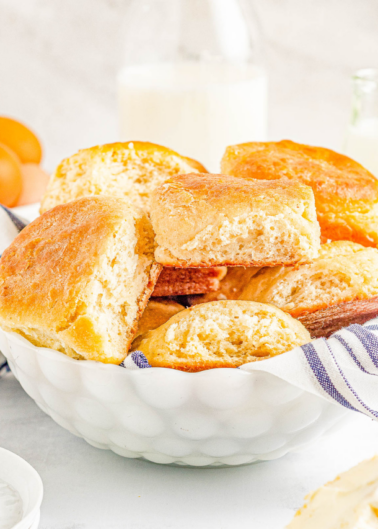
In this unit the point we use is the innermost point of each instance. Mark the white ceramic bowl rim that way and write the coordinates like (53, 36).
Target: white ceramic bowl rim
(91, 364)
(22, 472)
(221, 416)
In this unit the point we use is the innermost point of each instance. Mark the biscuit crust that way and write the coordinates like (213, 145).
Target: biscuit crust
(346, 194)
(185, 281)
(78, 278)
(156, 313)
(204, 220)
(340, 287)
(325, 322)
(222, 334)
(231, 286)
(130, 170)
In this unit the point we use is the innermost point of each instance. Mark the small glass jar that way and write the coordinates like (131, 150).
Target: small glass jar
(361, 142)
(193, 76)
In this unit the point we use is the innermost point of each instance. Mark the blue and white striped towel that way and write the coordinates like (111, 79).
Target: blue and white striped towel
(342, 369)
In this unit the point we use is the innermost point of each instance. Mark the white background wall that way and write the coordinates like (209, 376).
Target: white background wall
(58, 61)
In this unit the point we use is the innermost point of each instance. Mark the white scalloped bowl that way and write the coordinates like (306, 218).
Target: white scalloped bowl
(25, 480)
(213, 418)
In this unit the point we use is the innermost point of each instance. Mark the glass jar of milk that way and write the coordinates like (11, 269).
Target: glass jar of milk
(193, 78)
(361, 142)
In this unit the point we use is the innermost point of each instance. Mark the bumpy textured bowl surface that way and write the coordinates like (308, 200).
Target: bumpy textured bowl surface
(213, 418)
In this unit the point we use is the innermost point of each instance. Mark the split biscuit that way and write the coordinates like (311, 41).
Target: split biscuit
(78, 278)
(222, 334)
(339, 288)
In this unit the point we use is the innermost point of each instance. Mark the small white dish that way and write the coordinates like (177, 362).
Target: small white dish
(219, 417)
(26, 485)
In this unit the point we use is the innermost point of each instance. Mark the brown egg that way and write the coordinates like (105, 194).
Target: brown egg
(34, 183)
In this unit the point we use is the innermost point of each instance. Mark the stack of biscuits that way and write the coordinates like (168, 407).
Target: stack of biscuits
(138, 247)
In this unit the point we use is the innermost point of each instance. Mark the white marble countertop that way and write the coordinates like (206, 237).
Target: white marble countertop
(87, 488)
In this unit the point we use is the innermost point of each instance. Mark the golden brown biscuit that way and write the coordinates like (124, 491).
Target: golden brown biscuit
(229, 288)
(185, 281)
(78, 278)
(346, 194)
(130, 170)
(222, 334)
(203, 220)
(157, 312)
(340, 287)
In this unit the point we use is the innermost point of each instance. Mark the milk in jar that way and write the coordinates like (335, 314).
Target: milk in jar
(361, 141)
(194, 109)
(362, 144)
(193, 77)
